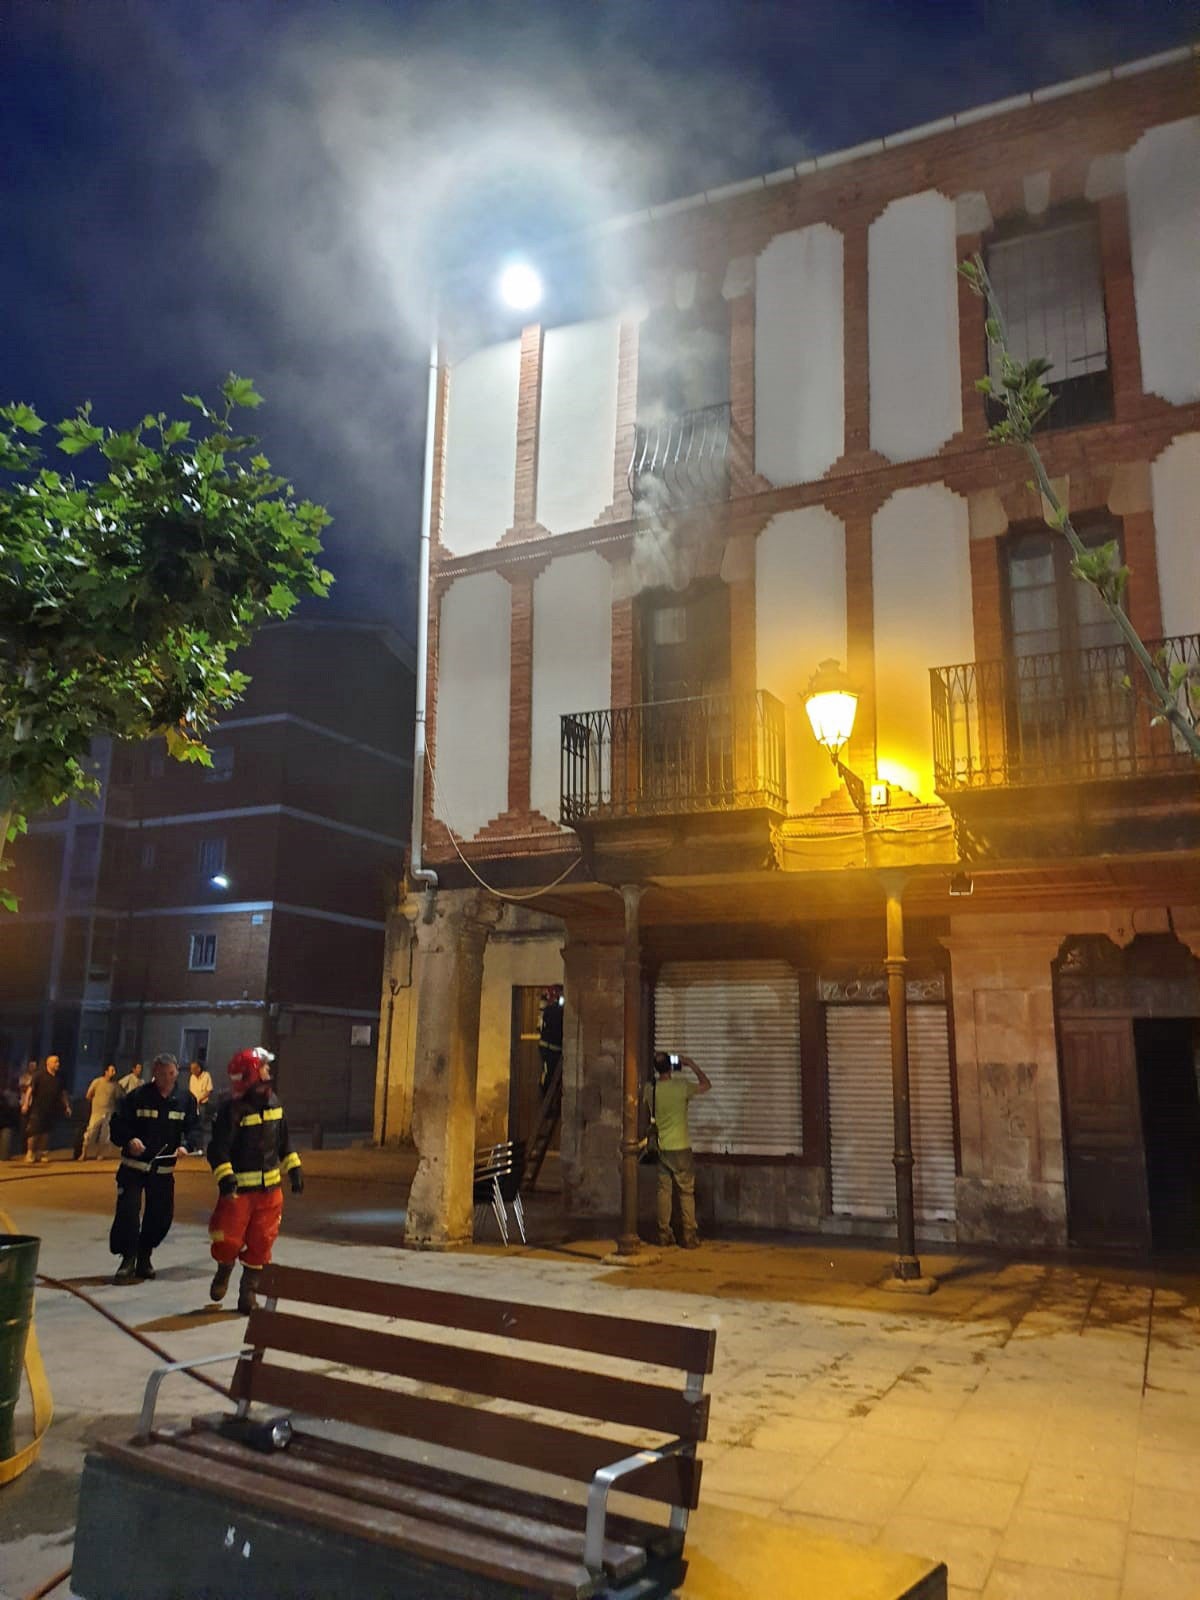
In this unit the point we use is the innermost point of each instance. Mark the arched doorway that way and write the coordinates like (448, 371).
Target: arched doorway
(1129, 1047)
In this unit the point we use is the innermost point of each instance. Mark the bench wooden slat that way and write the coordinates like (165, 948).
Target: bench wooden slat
(554, 1388)
(686, 1349)
(488, 1556)
(621, 1561)
(662, 1542)
(491, 1434)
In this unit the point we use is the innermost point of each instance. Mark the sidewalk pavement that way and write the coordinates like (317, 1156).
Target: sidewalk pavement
(1035, 1425)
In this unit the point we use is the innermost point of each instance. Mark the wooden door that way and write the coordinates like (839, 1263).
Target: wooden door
(524, 1094)
(1106, 1160)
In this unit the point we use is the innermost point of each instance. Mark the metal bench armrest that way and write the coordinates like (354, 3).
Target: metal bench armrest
(604, 1481)
(155, 1380)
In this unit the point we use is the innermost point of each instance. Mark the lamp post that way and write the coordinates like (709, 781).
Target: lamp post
(831, 702)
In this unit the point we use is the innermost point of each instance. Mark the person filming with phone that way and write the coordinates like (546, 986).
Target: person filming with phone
(667, 1096)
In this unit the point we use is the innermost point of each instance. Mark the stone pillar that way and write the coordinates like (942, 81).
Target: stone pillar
(397, 1027)
(448, 979)
(593, 1054)
(1011, 1189)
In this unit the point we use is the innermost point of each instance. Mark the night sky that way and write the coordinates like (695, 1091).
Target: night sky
(194, 186)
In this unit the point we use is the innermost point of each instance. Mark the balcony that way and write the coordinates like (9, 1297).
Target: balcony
(1066, 718)
(675, 758)
(681, 461)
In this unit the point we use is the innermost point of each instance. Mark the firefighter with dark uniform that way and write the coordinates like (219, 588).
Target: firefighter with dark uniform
(250, 1154)
(149, 1127)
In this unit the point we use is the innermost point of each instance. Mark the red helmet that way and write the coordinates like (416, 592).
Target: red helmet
(249, 1067)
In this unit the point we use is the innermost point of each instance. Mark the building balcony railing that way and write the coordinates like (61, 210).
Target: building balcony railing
(1055, 718)
(683, 460)
(721, 752)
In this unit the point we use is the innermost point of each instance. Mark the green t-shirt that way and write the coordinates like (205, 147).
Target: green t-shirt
(668, 1101)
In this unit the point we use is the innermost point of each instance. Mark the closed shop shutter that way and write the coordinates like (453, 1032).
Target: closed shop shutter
(862, 1177)
(740, 1021)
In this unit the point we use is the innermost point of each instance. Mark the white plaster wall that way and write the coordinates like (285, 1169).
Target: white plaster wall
(481, 448)
(922, 576)
(572, 660)
(1163, 177)
(800, 621)
(472, 704)
(578, 431)
(1175, 485)
(799, 389)
(916, 393)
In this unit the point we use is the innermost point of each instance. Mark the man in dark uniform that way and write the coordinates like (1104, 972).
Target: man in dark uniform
(550, 1034)
(149, 1127)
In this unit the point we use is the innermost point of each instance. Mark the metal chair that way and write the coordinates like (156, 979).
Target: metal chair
(499, 1170)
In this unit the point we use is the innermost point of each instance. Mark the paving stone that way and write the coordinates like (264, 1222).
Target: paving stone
(1161, 1569)
(1170, 1513)
(1076, 1544)
(967, 1552)
(962, 1450)
(957, 1497)
(840, 1492)
(756, 1474)
(891, 1453)
(1168, 1469)
(1010, 1581)
(1079, 1494)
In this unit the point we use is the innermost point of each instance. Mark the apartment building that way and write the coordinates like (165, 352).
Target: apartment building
(202, 910)
(760, 447)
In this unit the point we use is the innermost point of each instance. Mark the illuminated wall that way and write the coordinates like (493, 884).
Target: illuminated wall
(1163, 176)
(798, 355)
(800, 614)
(1175, 478)
(481, 448)
(472, 703)
(572, 660)
(578, 424)
(916, 392)
(922, 577)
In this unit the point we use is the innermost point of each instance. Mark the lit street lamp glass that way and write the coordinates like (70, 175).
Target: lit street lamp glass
(520, 286)
(219, 880)
(831, 704)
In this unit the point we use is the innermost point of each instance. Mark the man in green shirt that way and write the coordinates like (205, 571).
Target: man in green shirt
(667, 1097)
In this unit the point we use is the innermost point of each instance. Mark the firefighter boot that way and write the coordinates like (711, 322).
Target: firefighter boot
(220, 1282)
(246, 1301)
(127, 1271)
(144, 1268)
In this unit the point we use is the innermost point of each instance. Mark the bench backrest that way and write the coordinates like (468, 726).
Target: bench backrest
(441, 1354)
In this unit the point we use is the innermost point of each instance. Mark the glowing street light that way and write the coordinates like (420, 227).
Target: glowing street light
(831, 703)
(219, 880)
(520, 286)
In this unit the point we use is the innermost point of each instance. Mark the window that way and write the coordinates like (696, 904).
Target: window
(149, 854)
(222, 765)
(193, 1046)
(211, 857)
(202, 954)
(1050, 286)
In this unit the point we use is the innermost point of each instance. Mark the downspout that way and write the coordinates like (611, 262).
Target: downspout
(417, 872)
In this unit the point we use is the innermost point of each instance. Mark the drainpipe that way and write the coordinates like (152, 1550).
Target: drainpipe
(417, 872)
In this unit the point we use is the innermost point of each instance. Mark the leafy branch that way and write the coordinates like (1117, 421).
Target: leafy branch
(1026, 398)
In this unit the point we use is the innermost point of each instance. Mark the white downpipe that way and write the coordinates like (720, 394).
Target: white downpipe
(417, 872)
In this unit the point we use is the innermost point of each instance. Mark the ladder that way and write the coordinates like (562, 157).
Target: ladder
(549, 1113)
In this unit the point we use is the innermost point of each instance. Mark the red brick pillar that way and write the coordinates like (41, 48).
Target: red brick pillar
(520, 691)
(741, 394)
(1124, 356)
(856, 339)
(1141, 557)
(972, 346)
(529, 408)
(860, 637)
(627, 382)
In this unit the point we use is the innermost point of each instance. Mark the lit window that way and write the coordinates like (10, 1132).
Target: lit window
(211, 857)
(1050, 286)
(222, 765)
(202, 955)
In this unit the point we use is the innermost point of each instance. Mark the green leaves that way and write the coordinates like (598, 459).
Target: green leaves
(241, 392)
(22, 417)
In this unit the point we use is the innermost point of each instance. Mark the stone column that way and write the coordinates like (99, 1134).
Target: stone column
(593, 1056)
(448, 979)
(1011, 1189)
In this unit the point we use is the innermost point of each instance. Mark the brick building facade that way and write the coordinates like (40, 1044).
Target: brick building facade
(765, 447)
(200, 911)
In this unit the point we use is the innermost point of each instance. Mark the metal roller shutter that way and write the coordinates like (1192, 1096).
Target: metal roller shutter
(862, 1177)
(740, 1020)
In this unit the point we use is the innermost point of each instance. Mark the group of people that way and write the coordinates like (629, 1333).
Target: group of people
(244, 1135)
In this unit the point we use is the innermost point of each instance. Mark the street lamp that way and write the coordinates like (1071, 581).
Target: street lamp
(219, 880)
(831, 702)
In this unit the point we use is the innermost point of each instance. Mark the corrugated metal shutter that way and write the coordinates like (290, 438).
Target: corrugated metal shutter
(862, 1177)
(740, 1020)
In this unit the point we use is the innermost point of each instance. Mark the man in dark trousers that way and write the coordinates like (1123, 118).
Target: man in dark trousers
(47, 1102)
(250, 1154)
(550, 1034)
(149, 1127)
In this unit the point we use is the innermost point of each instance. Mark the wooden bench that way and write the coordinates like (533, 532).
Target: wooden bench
(335, 1516)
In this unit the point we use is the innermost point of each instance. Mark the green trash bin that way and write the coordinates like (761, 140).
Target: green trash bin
(18, 1268)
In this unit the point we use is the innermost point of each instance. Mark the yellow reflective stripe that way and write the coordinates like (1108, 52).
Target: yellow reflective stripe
(138, 1166)
(225, 1170)
(271, 1114)
(249, 1180)
(142, 1112)
(215, 1235)
(289, 1161)
(175, 1116)
(252, 1120)
(272, 1176)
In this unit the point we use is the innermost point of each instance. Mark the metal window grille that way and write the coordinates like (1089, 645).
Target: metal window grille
(202, 953)
(211, 854)
(1051, 290)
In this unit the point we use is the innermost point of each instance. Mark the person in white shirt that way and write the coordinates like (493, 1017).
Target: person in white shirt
(103, 1094)
(200, 1086)
(132, 1079)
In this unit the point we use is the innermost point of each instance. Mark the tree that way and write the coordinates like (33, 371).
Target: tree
(123, 598)
(1026, 400)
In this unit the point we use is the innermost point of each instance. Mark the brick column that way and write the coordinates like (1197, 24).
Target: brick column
(1124, 355)
(856, 339)
(621, 508)
(741, 394)
(860, 638)
(529, 409)
(520, 689)
(593, 1053)
(972, 348)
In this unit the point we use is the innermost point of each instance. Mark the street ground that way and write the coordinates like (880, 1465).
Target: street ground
(1035, 1424)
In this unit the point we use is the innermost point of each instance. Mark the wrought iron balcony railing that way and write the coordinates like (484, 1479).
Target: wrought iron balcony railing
(1065, 717)
(682, 461)
(722, 752)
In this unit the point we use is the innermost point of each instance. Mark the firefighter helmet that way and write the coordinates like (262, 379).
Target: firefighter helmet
(249, 1067)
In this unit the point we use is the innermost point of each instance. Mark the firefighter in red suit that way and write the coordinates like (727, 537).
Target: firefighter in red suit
(250, 1154)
